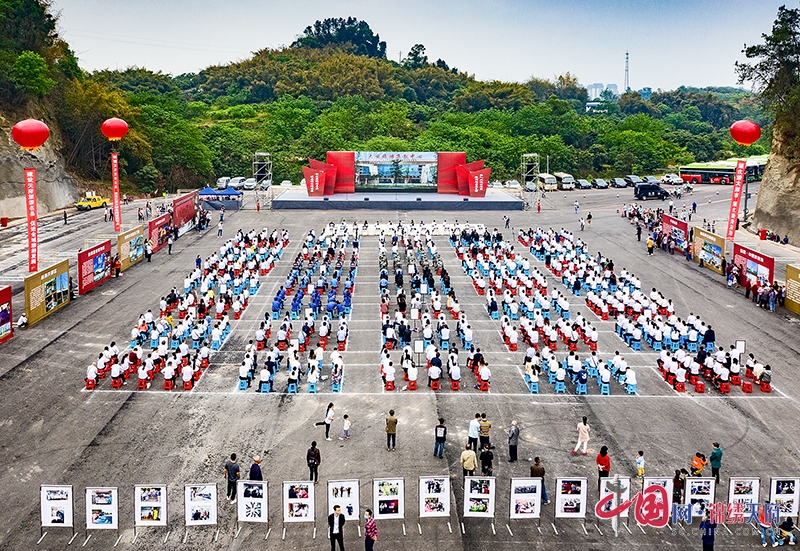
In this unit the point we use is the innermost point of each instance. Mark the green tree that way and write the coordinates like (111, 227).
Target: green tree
(339, 31)
(417, 59)
(30, 74)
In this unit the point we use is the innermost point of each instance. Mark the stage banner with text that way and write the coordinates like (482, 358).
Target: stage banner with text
(46, 291)
(158, 231)
(792, 301)
(130, 247)
(6, 315)
(462, 175)
(315, 181)
(709, 248)
(33, 220)
(756, 267)
(736, 197)
(478, 182)
(115, 204)
(330, 174)
(94, 266)
(678, 229)
(184, 209)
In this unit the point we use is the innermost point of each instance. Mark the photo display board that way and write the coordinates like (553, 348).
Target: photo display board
(388, 498)
(709, 248)
(479, 496)
(571, 497)
(183, 210)
(792, 301)
(298, 501)
(94, 266)
(46, 291)
(158, 231)
(102, 509)
(345, 494)
(434, 496)
(608, 487)
(150, 505)
(526, 498)
(252, 504)
(700, 493)
(130, 247)
(678, 229)
(6, 315)
(663, 481)
(756, 267)
(745, 490)
(200, 503)
(56, 506)
(784, 491)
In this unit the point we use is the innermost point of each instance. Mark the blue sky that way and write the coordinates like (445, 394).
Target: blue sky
(671, 43)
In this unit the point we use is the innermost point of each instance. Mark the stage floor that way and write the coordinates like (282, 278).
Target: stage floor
(297, 198)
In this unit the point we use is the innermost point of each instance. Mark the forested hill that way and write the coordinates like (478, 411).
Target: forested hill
(334, 89)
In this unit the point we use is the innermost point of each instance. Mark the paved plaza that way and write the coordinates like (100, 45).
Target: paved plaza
(54, 432)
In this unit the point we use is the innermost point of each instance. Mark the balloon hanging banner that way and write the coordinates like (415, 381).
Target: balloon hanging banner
(33, 221)
(736, 197)
(115, 206)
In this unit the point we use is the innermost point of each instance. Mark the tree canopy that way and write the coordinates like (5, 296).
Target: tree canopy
(338, 31)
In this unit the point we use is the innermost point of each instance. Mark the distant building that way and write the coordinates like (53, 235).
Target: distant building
(613, 89)
(594, 90)
(646, 92)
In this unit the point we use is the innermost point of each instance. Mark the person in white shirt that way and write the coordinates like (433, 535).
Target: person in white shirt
(91, 372)
(389, 372)
(434, 373)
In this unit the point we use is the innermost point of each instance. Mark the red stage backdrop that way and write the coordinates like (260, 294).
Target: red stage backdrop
(678, 229)
(183, 210)
(463, 177)
(315, 181)
(736, 197)
(446, 171)
(33, 220)
(330, 174)
(158, 231)
(755, 265)
(345, 162)
(6, 316)
(115, 206)
(479, 181)
(94, 266)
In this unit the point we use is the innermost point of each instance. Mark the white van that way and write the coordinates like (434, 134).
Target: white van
(223, 182)
(237, 183)
(565, 181)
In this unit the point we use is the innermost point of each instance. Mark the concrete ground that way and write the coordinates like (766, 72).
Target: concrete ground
(54, 432)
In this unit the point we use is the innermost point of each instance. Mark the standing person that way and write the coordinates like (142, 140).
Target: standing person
(219, 229)
(65, 218)
(370, 530)
(170, 241)
(345, 427)
(513, 441)
(583, 436)
(678, 483)
(603, 465)
(650, 245)
(707, 529)
(232, 474)
(255, 469)
(313, 460)
(469, 461)
(640, 465)
(537, 471)
(582, 224)
(638, 232)
(391, 431)
(440, 437)
(486, 461)
(483, 431)
(329, 415)
(473, 432)
(148, 250)
(336, 528)
(589, 219)
(508, 221)
(715, 460)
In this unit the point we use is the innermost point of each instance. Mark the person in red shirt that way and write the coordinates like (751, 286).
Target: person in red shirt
(370, 530)
(603, 465)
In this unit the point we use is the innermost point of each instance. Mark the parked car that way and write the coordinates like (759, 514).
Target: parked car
(671, 178)
(618, 182)
(651, 180)
(286, 183)
(530, 186)
(236, 183)
(583, 184)
(512, 184)
(646, 191)
(599, 183)
(264, 184)
(495, 183)
(223, 182)
(632, 180)
(92, 202)
(250, 183)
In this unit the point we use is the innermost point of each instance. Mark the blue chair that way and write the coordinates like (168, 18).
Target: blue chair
(242, 385)
(565, 314)
(336, 387)
(691, 346)
(709, 347)
(605, 390)
(551, 377)
(153, 343)
(216, 344)
(636, 345)
(631, 389)
(292, 388)
(495, 316)
(276, 315)
(561, 388)
(264, 387)
(312, 388)
(134, 342)
(533, 387)
(656, 346)
(445, 345)
(467, 345)
(581, 389)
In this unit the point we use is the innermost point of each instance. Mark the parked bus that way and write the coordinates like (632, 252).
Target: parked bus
(547, 181)
(565, 181)
(722, 172)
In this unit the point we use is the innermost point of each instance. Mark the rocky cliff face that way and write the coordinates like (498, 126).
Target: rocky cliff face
(55, 188)
(778, 206)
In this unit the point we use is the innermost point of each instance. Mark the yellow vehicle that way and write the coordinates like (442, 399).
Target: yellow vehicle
(94, 201)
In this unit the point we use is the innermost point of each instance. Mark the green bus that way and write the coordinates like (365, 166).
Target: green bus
(722, 172)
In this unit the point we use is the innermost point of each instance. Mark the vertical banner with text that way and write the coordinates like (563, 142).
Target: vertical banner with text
(115, 206)
(736, 197)
(33, 221)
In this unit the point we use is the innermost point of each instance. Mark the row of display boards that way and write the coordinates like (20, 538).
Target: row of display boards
(480, 493)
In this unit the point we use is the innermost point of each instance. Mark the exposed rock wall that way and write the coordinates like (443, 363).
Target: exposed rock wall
(778, 206)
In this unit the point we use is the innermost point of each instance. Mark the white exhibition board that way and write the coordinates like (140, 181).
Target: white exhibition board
(345, 494)
(102, 509)
(388, 498)
(200, 504)
(57, 506)
(624, 490)
(663, 481)
(571, 497)
(526, 498)
(298, 501)
(784, 490)
(700, 493)
(744, 490)
(479, 496)
(434, 496)
(150, 505)
(252, 504)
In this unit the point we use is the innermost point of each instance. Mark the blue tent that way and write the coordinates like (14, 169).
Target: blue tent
(229, 192)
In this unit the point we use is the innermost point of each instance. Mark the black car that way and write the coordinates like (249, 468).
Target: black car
(650, 180)
(582, 184)
(632, 179)
(618, 182)
(649, 191)
(599, 183)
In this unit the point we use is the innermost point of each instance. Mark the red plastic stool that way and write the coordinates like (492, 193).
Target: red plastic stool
(116, 384)
(389, 386)
(700, 387)
(89, 384)
(168, 384)
(747, 387)
(341, 346)
(435, 384)
(766, 387)
(187, 385)
(142, 384)
(680, 387)
(725, 388)
(412, 385)
(736, 380)
(455, 386)
(484, 386)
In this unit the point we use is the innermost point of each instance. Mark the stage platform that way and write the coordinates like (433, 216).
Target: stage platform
(298, 198)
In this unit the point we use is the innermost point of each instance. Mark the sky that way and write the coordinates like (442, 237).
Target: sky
(671, 42)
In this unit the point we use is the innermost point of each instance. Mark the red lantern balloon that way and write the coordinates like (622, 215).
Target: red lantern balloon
(745, 132)
(30, 134)
(114, 129)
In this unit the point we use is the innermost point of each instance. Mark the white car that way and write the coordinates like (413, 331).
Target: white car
(495, 183)
(223, 182)
(250, 183)
(236, 183)
(673, 179)
(513, 184)
(286, 183)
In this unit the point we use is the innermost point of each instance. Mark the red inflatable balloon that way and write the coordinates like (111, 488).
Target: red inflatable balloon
(114, 129)
(745, 132)
(30, 134)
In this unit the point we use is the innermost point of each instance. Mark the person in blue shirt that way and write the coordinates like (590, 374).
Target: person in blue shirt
(707, 530)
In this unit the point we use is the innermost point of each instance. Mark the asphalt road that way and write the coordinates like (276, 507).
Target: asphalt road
(53, 432)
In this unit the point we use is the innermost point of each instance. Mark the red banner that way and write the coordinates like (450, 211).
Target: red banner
(315, 181)
(33, 220)
(183, 210)
(116, 209)
(463, 175)
(479, 181)
(6, 317)
(94, 266)
(345, 162)
(330, 175)
(678, 229)
(447, 180)
(158, 231)
(736, 197)
(754, 265)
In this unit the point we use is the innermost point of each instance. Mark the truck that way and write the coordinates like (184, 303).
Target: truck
(565, 181)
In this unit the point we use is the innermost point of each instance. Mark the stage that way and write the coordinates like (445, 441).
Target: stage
(297, 198)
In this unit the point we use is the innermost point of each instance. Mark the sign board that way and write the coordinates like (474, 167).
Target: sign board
(663, 481)
(102, 509)
(298, 501)
(785, 491)
(388, 498)
(94, 266)
(200, 504)
(158, 231)
(624, 491)
(756, 267)
(6, 314)
(479, 496)
(792, 301)
(699, 493)
(345, 494)
(184, 209)
(678, 229)
(571, 497)
(46, 291)
(709, 248)
(744, 490)
(150, 505)
(526, 498)
(130, 247)
(434, 496)
(252, 504)
(56, 506)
